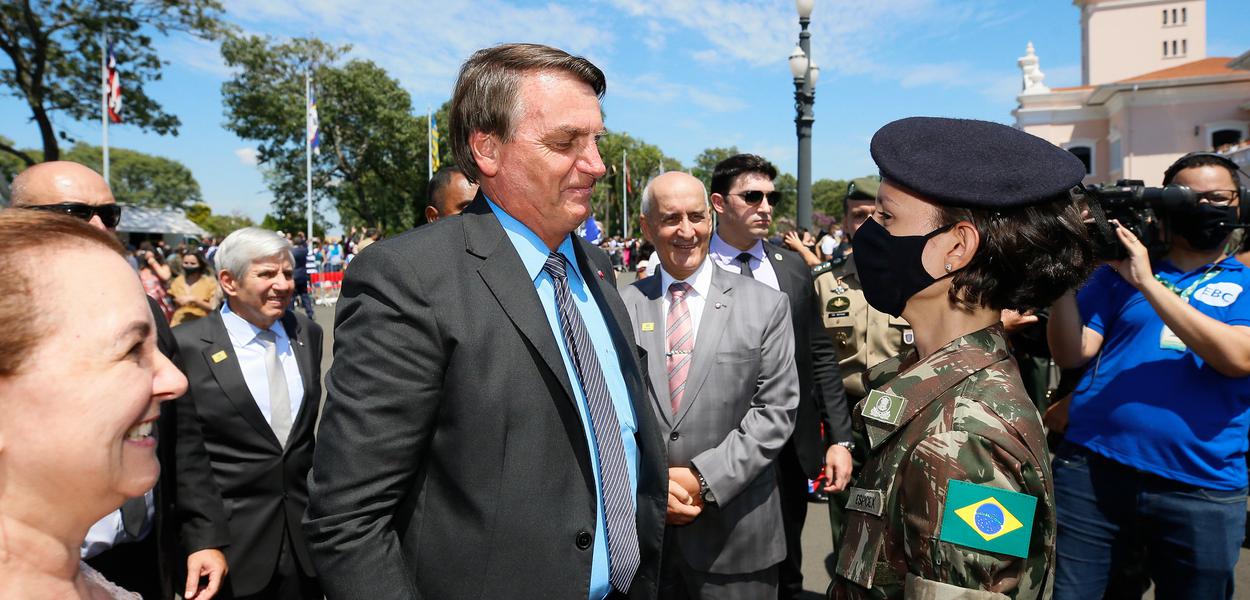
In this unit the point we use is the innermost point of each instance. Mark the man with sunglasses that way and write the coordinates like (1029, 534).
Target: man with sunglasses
(743, 196)
(1157, 425)
(137, 546)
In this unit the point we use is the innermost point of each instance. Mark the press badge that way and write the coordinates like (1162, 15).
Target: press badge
(1169, 341)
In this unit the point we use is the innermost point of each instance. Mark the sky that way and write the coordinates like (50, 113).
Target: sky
(684, 75)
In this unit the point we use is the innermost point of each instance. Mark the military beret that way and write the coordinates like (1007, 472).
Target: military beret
(864, 186)
(973, 164)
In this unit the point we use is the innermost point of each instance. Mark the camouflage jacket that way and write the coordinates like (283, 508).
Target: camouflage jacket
(960, 415)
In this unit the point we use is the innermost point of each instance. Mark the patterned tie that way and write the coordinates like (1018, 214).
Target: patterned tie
(744, 261)
(279, 396)
(618, 507)
(679, 329)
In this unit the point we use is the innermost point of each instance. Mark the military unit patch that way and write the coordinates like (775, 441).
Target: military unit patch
(884, 407)
(838, 304)
(988, 518)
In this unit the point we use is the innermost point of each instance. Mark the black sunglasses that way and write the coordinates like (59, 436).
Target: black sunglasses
(110, 214)
(754, 197)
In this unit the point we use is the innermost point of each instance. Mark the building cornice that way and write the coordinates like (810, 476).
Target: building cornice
(1104, 93)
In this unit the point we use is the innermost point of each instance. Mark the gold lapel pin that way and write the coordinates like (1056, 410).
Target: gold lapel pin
(219, 356)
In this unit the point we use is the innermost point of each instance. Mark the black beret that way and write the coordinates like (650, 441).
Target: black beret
(973, 164)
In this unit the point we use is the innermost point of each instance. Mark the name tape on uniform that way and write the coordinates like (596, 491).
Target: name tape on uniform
(867, 501)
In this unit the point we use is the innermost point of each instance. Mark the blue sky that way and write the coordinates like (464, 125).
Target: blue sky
(682, 74)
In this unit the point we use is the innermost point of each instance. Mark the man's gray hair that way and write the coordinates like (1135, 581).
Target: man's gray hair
(487, 93)
(240, 249)
(647, 195)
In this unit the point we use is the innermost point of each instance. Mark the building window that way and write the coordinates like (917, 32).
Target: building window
(1165, 48)
(1086, 154)
(1174, 16)
(1225, 137)
(1184, 15)
(1173, 47)
(1165, 16)
(1184, 47)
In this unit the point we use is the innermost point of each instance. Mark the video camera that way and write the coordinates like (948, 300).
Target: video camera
(1138, 208)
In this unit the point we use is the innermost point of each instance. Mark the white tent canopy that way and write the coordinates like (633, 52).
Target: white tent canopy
(142, 219)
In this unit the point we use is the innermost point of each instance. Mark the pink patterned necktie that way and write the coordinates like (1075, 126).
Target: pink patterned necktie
(679, 330)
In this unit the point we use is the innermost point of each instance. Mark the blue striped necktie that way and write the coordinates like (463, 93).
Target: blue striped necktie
(618, 507)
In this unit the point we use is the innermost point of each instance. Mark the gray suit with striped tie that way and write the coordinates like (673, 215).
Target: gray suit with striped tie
(736, 413)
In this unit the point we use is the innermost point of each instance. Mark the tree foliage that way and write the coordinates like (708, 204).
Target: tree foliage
(54, 49)
(373, 160)
(644, 163)
(218, 226)
(142, 179)
(705, 163)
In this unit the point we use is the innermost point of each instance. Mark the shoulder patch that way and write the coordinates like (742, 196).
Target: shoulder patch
(883, 407)
(987, 518)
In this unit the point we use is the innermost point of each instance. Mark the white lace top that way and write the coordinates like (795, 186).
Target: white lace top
(109, 588)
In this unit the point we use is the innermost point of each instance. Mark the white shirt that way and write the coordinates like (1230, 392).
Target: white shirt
(251, 354)
(726, 257)
(696, 299)
(110, 531)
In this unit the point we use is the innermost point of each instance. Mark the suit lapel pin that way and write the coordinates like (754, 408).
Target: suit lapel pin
(219, 356)
(718, 305)
(777, 256)
(600, 274)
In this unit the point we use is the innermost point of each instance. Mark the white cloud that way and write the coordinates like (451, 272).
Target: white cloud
(198, 54)
(247, 156)
(653, 88)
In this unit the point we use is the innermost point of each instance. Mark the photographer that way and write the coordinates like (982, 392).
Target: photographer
(1155, 447)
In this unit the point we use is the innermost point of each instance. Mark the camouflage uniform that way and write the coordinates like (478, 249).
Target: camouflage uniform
(863, 336)
(965, 417)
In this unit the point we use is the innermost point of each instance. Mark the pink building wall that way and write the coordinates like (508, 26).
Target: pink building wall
(1124, 38)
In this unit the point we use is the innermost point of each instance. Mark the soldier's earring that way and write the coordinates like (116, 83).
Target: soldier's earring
(948, 267)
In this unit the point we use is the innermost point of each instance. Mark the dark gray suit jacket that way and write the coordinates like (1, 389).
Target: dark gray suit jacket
(738, 410)
(262, 487)
(452, 461)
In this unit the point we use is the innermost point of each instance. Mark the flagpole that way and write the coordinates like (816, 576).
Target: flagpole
(429, 145)
(104, 99)
(625, 193)
(308, 152)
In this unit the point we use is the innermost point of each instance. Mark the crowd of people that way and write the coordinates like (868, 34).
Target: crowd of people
(502, 420)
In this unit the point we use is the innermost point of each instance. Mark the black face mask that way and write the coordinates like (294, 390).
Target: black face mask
(1204, 226)
(889, 267)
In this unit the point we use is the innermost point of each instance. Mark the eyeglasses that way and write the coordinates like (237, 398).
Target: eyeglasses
(1220, 198)
(110, 214)
(754, 196)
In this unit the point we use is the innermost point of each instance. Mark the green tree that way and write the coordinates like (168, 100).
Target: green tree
(644, 163)
(373, 159)
(141, 179)
(705, 163)
(827, 197)
(218, 226)
(54, 49)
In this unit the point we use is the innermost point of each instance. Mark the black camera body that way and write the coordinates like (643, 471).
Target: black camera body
(1137, 208)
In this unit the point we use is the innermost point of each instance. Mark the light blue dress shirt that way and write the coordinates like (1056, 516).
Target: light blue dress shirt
(251, 355)
(533, 254)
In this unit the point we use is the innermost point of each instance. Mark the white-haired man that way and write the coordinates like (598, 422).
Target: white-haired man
(254, 384)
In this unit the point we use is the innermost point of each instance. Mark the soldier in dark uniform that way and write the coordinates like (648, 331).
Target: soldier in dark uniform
(955, 498)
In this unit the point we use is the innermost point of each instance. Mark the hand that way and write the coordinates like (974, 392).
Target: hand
(1136, 268)
(838, 467)
(793, 241)
(210, 563)
(681, 507)
(1014, 321)
(1056, 417)
(685, 477)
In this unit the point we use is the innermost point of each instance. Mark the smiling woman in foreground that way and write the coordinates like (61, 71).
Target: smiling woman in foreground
(80, 385)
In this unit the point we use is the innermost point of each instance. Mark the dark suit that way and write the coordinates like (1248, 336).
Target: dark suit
(735, 417)
(453, 461)
(821, 400)
(262, 487)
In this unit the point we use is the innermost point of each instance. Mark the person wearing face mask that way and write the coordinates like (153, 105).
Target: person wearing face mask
(955, 498)
(195, 292)
(1157, 425)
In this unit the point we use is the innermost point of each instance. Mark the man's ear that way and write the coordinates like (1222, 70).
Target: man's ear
(718, 203)
(642, 226)
(431, 214)
(229, 285)
(485, 150)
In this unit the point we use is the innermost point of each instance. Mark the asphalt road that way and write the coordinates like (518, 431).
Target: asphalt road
(817, 541)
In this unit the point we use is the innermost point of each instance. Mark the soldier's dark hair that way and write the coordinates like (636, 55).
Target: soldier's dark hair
(487, 96)
(1028, 256)
(442, 179)
(728, 170)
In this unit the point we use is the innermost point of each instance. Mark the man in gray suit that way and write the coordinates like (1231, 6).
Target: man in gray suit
(720, 350)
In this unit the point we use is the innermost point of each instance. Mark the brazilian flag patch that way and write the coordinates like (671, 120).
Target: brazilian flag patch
(988, 518)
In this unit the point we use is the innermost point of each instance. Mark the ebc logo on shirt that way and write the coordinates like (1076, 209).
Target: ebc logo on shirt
(1219, 294)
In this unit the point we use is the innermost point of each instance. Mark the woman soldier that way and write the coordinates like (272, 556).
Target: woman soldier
(955, 498)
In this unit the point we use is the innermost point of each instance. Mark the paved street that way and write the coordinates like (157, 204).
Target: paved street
(817, 543)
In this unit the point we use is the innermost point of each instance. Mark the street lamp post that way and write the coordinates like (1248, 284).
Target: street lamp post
(805, 74)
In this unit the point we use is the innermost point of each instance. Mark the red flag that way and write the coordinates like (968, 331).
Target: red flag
(114, 87)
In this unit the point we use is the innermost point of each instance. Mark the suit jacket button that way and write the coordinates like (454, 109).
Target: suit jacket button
(583, 540)
(673, 436)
